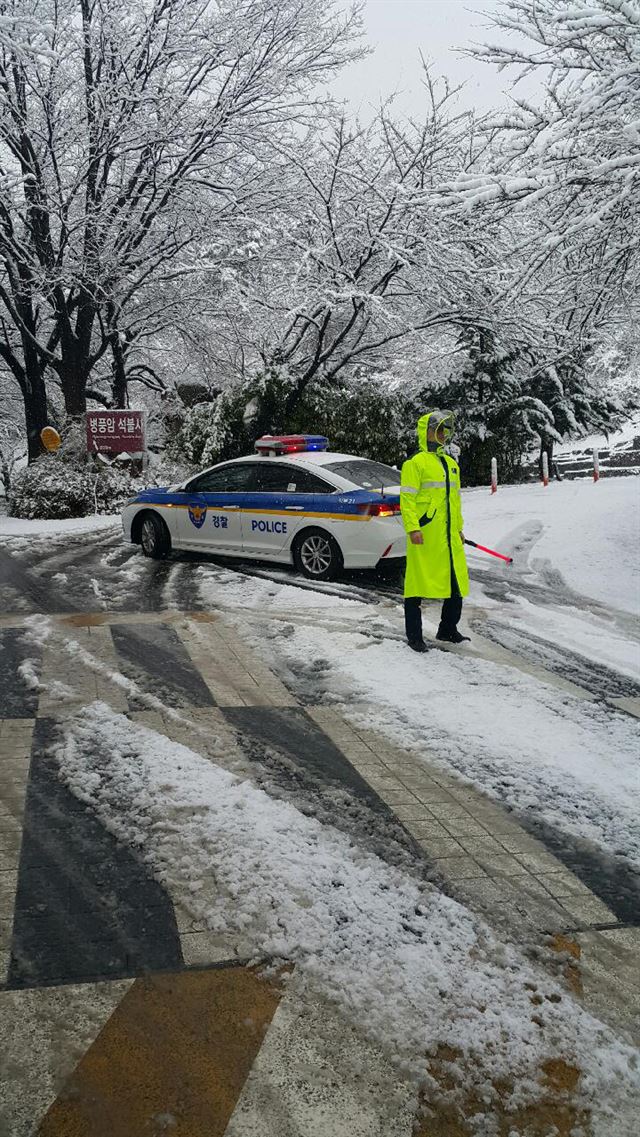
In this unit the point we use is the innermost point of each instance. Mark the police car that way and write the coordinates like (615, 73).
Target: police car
(293, 501)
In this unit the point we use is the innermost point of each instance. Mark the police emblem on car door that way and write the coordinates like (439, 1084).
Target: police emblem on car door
(197, 515)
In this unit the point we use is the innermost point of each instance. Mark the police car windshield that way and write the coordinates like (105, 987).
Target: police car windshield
(365, 473)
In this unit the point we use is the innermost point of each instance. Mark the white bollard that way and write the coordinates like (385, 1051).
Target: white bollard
(596, 465)
(545, 468)
(494, 475)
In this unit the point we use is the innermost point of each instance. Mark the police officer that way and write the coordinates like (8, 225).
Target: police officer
(432, 517)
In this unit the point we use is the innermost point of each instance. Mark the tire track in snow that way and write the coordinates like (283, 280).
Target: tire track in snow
(601, 681)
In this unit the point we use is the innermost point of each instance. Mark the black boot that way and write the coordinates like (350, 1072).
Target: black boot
(451, 613)
(451, 636)
(417, 645)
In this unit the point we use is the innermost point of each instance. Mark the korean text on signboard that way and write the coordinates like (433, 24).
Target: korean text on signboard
(115, 432)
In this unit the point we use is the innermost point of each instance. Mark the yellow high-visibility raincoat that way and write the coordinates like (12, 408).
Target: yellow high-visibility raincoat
(430, 502)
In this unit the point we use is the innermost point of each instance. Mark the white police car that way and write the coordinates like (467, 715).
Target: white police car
(293, 501)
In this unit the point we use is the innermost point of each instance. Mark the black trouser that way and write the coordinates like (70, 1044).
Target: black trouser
(451, 612)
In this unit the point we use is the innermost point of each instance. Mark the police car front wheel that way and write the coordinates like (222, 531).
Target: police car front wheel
(154, 537)
(317, 555)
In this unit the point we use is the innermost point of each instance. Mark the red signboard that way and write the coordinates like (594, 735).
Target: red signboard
(115, 432)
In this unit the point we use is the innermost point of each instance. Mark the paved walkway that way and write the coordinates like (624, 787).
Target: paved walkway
(105, 973)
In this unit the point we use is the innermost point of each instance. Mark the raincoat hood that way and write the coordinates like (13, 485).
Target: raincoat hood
(437, 418)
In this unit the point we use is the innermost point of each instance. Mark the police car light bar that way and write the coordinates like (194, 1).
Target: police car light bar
(290, 443)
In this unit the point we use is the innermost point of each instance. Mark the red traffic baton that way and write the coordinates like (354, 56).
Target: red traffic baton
(492, 552)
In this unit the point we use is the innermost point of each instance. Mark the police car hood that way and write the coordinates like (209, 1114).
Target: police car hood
(155, 494)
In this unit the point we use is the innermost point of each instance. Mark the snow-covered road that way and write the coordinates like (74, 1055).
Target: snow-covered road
(536, 711)
(540, 710)
(539, 713)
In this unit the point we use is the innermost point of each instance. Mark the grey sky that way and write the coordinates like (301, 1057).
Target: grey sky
(398, 30)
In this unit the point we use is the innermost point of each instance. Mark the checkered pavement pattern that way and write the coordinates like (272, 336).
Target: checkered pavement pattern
(89, 940)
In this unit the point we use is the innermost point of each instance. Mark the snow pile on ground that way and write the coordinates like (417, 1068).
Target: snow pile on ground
(571, 762)
(19, 527)
(588, 533)
(410, 966)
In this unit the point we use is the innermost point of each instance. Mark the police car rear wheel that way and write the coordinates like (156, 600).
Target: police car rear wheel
(317, 555)
(154, 537)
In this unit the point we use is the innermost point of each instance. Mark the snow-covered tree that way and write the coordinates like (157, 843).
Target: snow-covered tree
(562, 178)
(125, 128)
(12, 440)
(616, 358)
(358, 265)
(576, 155)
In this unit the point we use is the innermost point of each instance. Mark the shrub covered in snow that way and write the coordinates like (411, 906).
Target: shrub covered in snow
(55, 488)
(228, 427)
(359, 418)
(362, 418)
(51, 488)
(202, 438)
(369, 417)
(112, 487)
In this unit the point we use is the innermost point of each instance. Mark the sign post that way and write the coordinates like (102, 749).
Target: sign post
(596, 465)
(494, 475)
(545, 468)
(115, 432)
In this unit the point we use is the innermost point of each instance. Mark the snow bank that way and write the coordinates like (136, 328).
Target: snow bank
(588, 532)
(411, 967)
(19, 527)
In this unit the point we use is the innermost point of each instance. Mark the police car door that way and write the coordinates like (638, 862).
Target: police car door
(290, 496)
(210, 517)
(265, 523)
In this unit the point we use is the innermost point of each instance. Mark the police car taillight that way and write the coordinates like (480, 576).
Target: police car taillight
(379, 508)
(290, 443)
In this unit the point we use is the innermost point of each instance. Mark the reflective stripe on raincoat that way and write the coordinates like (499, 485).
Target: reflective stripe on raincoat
(430, 502)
